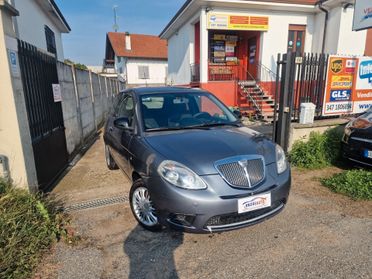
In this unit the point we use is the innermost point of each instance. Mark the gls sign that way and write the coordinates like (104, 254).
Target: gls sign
(365, 70)
(340, 95)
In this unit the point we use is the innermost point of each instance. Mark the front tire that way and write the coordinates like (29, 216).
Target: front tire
(109, 160)
(142, 207)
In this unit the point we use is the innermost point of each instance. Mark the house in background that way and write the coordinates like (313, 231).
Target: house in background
(214, 44)
(138, 60)
(41, 23)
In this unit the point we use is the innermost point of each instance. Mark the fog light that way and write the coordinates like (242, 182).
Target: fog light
(183, 219)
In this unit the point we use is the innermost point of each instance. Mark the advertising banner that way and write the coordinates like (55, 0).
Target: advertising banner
(362, 15)
(348, 85)
(237, 22)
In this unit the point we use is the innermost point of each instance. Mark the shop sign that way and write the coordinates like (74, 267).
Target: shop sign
(237, 22)
(348, 85)
(362, 15)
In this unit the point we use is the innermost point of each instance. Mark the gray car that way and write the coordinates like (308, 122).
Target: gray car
(194, 166)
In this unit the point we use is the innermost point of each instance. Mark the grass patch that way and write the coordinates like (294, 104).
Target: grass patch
(321, 150)
(29, 224)
(356, 184)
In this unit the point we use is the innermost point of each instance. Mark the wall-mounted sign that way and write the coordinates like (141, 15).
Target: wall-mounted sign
(362, 15)
(348, 85)
(13, 62)
(57, 95)
(237, 22)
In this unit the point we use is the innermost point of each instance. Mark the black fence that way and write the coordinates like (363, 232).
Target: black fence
(299, 79)
(45, 117)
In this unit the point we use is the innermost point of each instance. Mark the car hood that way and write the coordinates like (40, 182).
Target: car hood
(199, 149)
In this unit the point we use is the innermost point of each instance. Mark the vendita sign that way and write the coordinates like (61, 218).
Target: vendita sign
(348, 85)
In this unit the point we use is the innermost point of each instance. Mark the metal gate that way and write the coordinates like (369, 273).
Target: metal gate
(39, 72)
(298, 79)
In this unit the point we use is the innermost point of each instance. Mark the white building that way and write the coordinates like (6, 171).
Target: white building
(213, 43)
(41, 23)
(139, 60)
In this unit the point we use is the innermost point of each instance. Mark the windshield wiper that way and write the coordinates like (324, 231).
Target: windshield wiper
(176, 128)
(206, 125)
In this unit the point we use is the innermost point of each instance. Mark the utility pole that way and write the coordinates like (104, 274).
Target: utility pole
(115, 26)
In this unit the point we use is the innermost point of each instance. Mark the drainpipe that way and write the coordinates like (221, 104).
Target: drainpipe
(324, 10)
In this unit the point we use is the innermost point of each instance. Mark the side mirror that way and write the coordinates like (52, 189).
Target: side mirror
(122, 123)
(237, 113)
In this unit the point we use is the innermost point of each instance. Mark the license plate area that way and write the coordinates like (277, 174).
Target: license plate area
(254, 203)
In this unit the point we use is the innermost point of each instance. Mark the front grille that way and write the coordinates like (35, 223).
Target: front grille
(234, 218)
(242, 171)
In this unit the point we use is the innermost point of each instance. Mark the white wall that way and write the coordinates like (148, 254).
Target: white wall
(181, 53)
(30, 25)
(157, 71)
(350, 42)
(333, 31)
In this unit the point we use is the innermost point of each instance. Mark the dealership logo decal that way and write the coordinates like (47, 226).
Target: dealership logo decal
(365, 70)
(255, 202)
(336, 66)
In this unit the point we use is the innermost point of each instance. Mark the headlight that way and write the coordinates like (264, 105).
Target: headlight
(180, 176)
(281, 161)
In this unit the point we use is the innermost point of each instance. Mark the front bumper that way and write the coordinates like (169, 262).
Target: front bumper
(215, 209)
(354, 149)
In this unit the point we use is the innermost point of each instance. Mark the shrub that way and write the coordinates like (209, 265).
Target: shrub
(353, 183)
(319, 151)
(29, 224)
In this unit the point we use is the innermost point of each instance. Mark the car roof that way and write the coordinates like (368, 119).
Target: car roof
(164, 89)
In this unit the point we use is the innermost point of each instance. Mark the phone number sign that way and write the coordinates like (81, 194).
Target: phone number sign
(348, 85)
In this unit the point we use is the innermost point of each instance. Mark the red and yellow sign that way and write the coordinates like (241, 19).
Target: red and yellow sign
(237, 22)
(348, 85)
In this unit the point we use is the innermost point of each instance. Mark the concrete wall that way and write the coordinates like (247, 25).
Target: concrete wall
(30, 25)
(86, 101)
(301, 132)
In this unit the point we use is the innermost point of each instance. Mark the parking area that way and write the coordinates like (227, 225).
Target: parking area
(319, 235)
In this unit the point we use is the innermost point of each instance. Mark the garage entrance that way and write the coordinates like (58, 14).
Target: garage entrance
(45, 118)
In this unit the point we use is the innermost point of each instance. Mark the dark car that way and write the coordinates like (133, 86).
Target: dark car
(194, 166)
(357, 139)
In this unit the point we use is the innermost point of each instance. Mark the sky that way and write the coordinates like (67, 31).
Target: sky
(90, 20)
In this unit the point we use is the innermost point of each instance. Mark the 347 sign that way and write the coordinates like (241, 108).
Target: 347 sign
(348, 85)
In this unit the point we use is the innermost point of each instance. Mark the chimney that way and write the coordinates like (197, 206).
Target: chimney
(128, 43)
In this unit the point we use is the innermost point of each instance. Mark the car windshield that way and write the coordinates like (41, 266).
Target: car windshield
(173, 111)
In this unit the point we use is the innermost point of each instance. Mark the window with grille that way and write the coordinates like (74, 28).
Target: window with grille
(143, 72)
(50, 40)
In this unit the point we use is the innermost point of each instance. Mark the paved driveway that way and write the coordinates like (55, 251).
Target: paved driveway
(318, 235)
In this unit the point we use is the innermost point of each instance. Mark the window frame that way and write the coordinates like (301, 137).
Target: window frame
(146, 70)
(50, 39)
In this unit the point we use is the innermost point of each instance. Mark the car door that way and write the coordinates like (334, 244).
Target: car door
(121, 137)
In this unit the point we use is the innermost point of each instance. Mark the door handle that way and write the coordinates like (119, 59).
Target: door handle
(111, 129)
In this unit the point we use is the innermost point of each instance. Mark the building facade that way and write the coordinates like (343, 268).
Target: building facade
(41, 23)
(214, 44)
(138, 60)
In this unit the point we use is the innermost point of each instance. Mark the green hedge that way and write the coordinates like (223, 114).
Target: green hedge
(319, 151)
(29, 224)
(353, 183)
